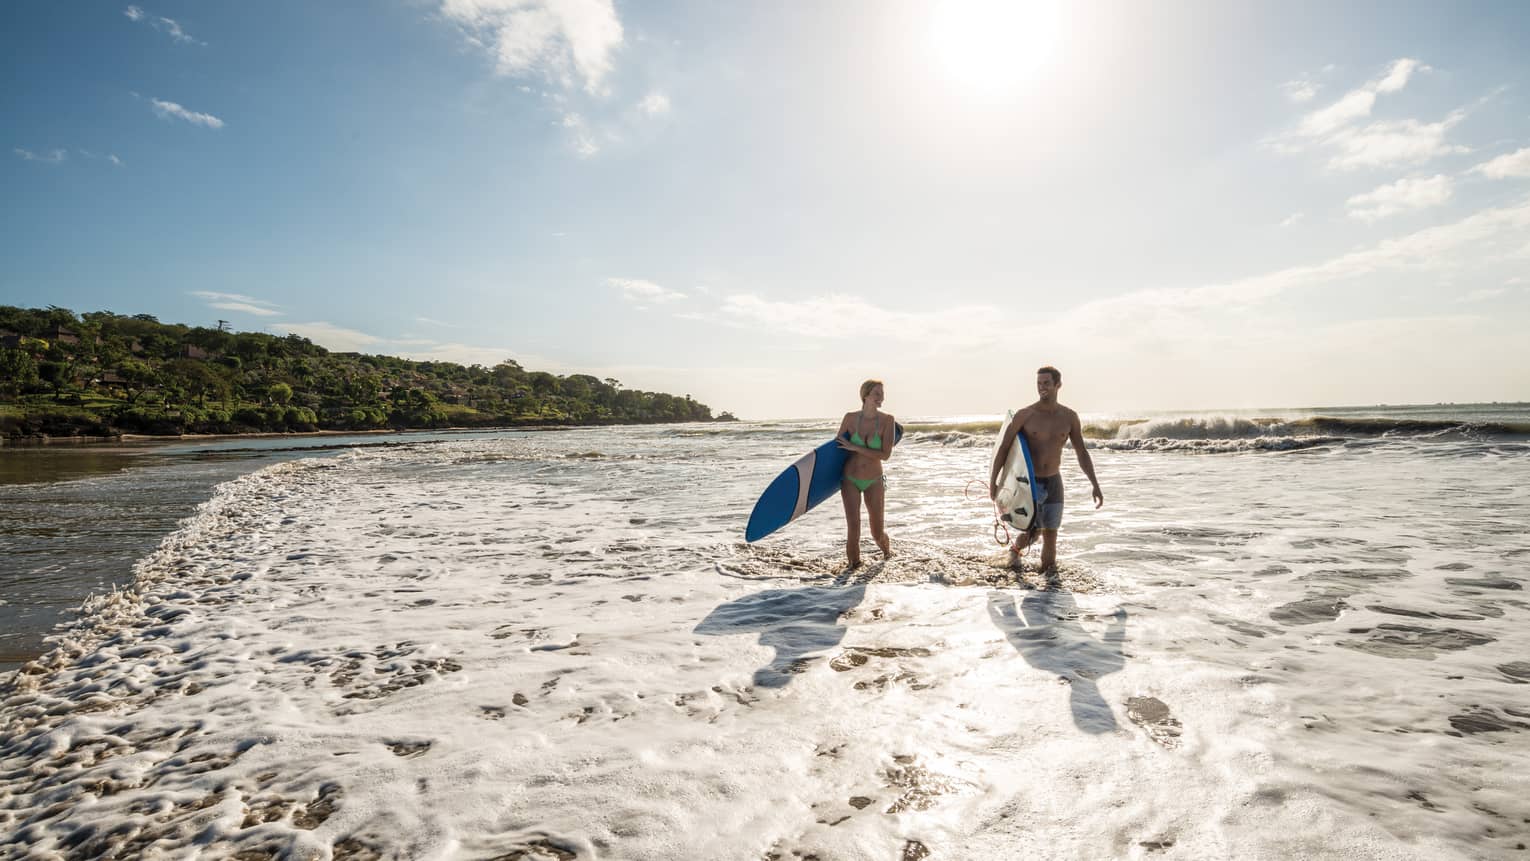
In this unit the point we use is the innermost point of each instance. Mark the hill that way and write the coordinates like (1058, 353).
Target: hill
(103, 374)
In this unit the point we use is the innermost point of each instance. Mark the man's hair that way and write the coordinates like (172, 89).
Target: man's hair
(1048, 369)
(867, 386)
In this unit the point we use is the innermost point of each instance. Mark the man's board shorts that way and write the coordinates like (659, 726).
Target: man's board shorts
(1049, 502)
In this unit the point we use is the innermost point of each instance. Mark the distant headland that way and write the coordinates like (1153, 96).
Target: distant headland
(101, 374)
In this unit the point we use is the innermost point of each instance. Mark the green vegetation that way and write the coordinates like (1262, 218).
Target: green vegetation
(102, 374)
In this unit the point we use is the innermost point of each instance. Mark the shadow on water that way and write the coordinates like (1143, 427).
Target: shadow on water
(794, 622)
(1046, 632)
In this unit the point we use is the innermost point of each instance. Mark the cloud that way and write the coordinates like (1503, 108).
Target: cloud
(328, 335)
(1345, 127)
(114, 160)
(1357, 104)
(1300, 91)
(171, 109)
(56, 156)
(237, 302)
(1404, 195)
(564, 41)
(1403, 142)
(1292, 219)
(1169, 314)
(654, 104)
(244, 308)
(644, 292)
(821, 317)
(161, 23)
(429, 322)
(580, 137)
(1514, 164)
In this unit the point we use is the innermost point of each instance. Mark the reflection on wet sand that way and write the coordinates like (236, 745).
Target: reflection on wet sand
(794, 622)
(1046, 632)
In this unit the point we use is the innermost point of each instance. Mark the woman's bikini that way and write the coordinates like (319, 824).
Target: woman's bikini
(864, 484)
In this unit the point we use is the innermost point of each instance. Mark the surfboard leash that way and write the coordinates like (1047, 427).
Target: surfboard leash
(998, 525)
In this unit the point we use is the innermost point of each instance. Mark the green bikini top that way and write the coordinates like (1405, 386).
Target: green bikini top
(876, 441)
(855, 438)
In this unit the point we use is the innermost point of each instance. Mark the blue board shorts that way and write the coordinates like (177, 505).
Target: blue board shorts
(1049, 502)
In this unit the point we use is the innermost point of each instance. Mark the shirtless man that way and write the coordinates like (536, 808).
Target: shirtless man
(1047, 424)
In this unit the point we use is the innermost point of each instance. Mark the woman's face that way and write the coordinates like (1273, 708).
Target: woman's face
(874, 397)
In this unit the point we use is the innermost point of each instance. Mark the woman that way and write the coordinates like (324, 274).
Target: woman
(869, 435)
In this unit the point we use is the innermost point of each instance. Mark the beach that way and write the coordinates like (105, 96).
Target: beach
(1281, 637)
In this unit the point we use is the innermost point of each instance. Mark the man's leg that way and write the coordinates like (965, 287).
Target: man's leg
(1022, 541)
(1049, 551)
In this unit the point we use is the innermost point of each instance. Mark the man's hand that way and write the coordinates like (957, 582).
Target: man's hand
(1099, 497)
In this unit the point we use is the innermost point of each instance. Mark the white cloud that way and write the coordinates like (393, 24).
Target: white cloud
(244, 308)
(1354, 105)
(1165, 316)
(171, 109)
(1514, 164)
(945, 327)
(174, 29)
(1404, 195)
(654, 104)
(1292, 219)
(1397, 77)
(237, 302)
(51, 157)
(1344, 126)
(561, 40)
(644, 292)
(1357, 104)
(429, 322)
(161, 23)
(114, 160)
(327, 335)
(1403, 142)
(580, 137)
(1300, 91)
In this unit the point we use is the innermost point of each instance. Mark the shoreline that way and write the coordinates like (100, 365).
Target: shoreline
(40, 441)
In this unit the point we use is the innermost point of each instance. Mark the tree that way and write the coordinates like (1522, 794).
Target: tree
(137, 378)
(18, 371)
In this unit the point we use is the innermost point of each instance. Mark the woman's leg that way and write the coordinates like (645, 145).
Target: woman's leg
(851, 497)
(876, 498)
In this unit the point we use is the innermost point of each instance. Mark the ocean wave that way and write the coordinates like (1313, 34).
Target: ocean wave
(950, 439)
(1218, 446)
(1347, 427)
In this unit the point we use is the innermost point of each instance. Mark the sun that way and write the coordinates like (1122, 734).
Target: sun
(993, 49)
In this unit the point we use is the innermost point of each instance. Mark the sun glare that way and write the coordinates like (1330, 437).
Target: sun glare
(990, 49)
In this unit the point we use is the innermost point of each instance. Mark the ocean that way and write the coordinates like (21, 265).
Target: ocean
(1295, 633)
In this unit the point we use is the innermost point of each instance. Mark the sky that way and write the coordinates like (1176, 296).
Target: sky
(1183, 206)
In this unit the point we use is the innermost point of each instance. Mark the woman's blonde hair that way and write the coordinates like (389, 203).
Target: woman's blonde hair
(867, 386)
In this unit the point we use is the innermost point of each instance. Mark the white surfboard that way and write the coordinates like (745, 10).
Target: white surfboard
(1016, 499)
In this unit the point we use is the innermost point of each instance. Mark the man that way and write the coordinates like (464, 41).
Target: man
(1046, 425)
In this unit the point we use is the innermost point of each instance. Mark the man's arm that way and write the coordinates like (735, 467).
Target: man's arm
(1085, 462)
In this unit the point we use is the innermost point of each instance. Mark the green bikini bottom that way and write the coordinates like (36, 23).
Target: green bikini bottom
(863, 484)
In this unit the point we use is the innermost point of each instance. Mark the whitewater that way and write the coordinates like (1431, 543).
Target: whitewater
(1279, 638)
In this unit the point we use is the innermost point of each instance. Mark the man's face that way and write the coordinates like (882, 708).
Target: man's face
(1045, 387)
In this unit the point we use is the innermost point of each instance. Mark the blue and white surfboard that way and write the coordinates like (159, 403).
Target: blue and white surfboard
(812, 479)
(1015, 500)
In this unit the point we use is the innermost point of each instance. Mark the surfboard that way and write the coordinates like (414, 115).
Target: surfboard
(812, 479)
(1016, 499)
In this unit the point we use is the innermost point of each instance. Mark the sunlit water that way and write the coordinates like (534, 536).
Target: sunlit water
(555, 645)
